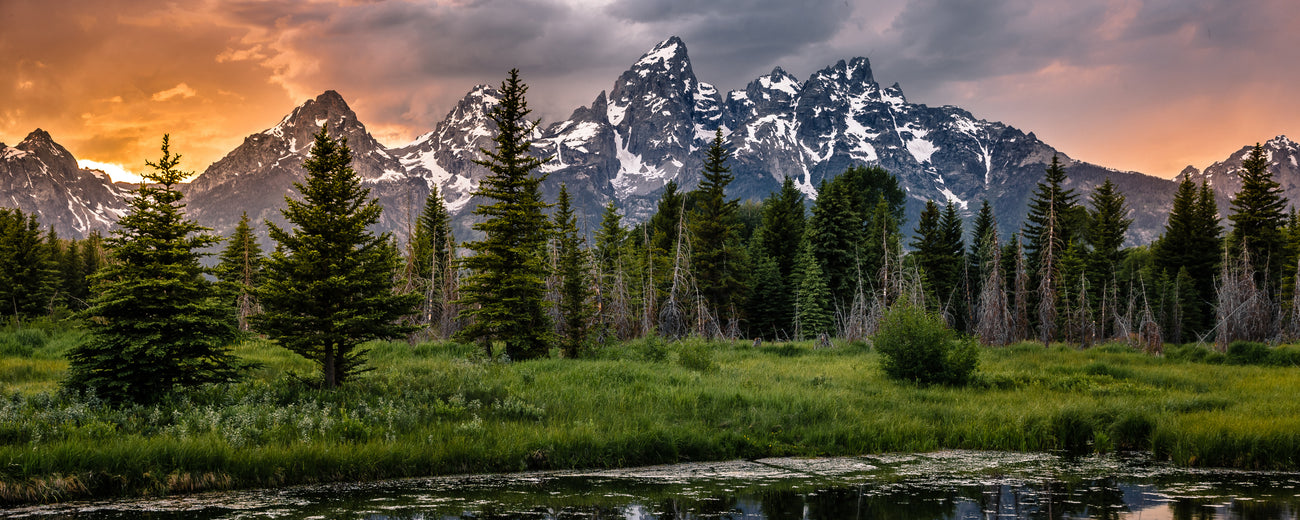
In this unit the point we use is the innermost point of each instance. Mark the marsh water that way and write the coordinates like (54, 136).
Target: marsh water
(942, 485)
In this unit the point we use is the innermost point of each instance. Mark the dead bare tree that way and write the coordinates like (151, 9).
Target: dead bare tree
(1148, 338)
(1244, 311)
(994, 324)
(1047, 281)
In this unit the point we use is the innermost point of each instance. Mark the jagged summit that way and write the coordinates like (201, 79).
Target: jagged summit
(39, 135)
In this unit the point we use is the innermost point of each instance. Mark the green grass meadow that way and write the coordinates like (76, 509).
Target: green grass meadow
(440, 408)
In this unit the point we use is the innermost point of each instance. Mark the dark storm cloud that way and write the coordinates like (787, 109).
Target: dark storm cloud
(1096, 78)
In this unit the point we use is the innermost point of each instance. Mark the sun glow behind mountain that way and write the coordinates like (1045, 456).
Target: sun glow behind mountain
(115, 171)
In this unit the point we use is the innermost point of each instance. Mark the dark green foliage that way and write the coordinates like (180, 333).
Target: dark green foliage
(1051, 207)
(813, 312)
(574, 271)
(940, 253)
(783, 226)
(29, 277)
(239, 269)
(869, 185)
(1191, 234)
(156, 324)
(1247, 353)
(1108, 225)
(663, 229)
(771, 304)
(1258, 214)
(717, 259)
(835, 232)
(433, 243)
(503, 297)
(917, 346)
(329, 283)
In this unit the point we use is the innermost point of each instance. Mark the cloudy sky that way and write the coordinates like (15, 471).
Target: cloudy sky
(1145, 85)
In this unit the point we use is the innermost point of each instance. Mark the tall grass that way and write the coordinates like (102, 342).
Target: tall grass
(438, 408)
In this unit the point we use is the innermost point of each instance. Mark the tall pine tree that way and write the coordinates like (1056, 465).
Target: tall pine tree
(503, 297)
(574, 271)
(156, 323)
(328, 285)
(716, 255)
(239, 269)
(1258, 214)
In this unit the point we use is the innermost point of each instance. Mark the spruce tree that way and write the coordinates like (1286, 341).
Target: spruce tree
(1258, 216)
(503, 297)
(929, 249)
(574, 271)
(834, 233)
(716, 256)
(433, 241)
(1190, 233)
(663, 229)
(953, 248)
(328, 285)
(1050, 207)
(813, 312)
(156, 324)
(239, 269)
(28, 276)
(770, 307)
(1108, 225)
(783, 226)
(433, 249)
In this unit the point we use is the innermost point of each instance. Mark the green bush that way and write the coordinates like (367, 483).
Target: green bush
(697, 356)
(1194, 353)
(1247, 353)
(1285, 356)
(917, 346)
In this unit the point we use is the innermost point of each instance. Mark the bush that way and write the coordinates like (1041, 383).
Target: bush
(1247, 353)
(697, 356)
(1285, 356)
(917, 346)
(1194, 353)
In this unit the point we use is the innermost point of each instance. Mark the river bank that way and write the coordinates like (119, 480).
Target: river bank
(437, 408)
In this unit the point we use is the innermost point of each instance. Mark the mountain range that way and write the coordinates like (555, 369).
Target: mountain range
(651, 127)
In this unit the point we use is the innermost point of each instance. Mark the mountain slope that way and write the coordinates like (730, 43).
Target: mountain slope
(40, 176)
(258, 174)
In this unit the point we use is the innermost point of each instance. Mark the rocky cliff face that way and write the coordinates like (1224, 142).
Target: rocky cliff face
(40, 176)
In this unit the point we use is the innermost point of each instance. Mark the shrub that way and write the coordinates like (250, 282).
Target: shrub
(917, 346)
(1194, 353)
(1247, 353)
(697, 356)
(1285, 356)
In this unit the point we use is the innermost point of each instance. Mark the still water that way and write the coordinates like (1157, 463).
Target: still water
(942, 485)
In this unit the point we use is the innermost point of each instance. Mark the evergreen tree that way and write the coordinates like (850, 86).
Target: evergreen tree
(28, 276)
(1258, 216)
(504, 294)
(433, 241)
(328, 286)
(1108, 225)
(783, 226)
(770, 308)
(663, 229)
(1191, 233)
(433, 249)
(575, 278)
(156, 324)
(834, 233)
(716, 256)
(953, 248)
(813, 312)
(1050, 208)
(983, 236)
(239, 268)
(928, 248)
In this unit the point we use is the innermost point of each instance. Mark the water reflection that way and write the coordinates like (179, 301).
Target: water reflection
(946, 485)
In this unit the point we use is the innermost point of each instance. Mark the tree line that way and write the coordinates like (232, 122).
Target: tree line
(703, 264)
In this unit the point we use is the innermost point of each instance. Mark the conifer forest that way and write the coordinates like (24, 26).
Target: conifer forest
(432, 353)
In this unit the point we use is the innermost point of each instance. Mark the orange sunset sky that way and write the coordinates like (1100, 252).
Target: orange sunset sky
(1144, 85)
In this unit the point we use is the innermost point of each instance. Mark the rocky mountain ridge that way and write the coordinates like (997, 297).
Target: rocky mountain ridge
(40, 176)
(653, 125)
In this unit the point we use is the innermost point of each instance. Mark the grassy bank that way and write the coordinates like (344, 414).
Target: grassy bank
(438, 409)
